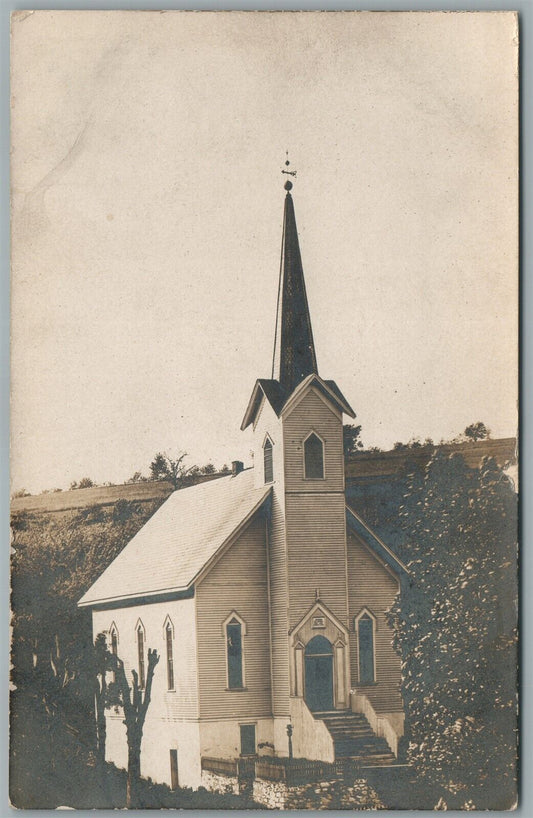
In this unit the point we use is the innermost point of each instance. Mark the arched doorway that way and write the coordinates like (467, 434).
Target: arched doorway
(319, 674)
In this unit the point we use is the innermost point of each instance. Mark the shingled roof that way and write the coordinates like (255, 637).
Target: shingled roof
(181, 538)
(279, 398)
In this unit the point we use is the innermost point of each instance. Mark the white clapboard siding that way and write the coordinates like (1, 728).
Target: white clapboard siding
(316, 553)
(313, 414)
(279, 606)
(370, 585)
(182, 701)
(238, 582)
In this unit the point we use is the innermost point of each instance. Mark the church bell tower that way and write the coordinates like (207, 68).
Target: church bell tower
(298, 449)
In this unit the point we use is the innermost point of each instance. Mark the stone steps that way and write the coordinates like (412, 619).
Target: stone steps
(354, 738)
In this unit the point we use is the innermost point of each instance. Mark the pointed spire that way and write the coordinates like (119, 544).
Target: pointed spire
(294, 349)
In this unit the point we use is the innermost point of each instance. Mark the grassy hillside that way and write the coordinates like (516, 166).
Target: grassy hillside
(361, 468)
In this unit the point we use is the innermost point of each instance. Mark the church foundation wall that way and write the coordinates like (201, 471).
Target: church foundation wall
(116, 746)
(322, 795)
(281, 740)
(222, 739)
(223, 784)
(159, 738)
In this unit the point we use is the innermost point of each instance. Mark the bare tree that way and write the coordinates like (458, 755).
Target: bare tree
(167, 467)
(135, 706)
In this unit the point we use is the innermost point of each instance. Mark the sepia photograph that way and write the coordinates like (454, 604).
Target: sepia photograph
(264, 410)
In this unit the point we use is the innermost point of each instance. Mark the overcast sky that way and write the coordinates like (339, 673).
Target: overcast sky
(147, 213)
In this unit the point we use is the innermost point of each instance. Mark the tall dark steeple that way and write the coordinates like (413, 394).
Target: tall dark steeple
(294, 349)
(294, 359)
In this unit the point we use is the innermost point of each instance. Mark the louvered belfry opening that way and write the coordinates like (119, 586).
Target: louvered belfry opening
(294, 336)
(268, 461)
(314, 458)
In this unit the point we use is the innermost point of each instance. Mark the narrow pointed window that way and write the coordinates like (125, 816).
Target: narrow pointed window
(365, 639)
(140, 653)
(314, 458)
(234, 654)
(114, 648)
(268, 461)
(114, 643)
(170, 657)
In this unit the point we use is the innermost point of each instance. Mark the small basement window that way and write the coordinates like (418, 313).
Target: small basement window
(247, 739)
(174, 778)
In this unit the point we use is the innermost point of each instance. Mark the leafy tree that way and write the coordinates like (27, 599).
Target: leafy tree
(207, 469)
(84, 483)
(55, 559)
(351, 439)
(167, 467)
(124, 510)
(476, 431)
(137, 477)
(95, 513)
(455, 631)
(102, 658)
(20, 493)
(135, 704)
(414, 443)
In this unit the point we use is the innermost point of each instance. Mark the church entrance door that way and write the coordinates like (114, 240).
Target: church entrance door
(319, 674)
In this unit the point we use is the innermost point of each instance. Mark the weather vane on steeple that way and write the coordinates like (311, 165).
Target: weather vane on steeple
(288, 184)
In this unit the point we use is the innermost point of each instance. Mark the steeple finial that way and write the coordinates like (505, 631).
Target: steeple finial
(288, 183)
(294, 349)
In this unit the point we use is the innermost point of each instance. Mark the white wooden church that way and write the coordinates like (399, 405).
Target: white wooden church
(263, 593)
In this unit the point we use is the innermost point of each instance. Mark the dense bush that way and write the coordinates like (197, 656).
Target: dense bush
(56, 557)
(455, 629)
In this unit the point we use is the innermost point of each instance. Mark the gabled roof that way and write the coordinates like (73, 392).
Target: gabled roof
(279, 398)
(263, 388)
(180, 540)
(358, 526)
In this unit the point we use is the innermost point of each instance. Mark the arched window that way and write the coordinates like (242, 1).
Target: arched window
(169, 636)
(114, 645)
(268, 460)
(140, 653)
(365, 645)
(234, 653)
(314, 457)
(114, 639)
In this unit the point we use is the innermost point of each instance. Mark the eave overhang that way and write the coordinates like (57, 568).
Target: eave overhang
(272, 391)
(382, 551)
(329, 389)
(187, 591)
